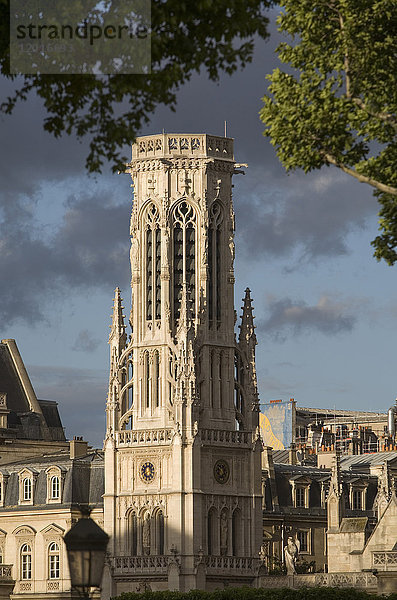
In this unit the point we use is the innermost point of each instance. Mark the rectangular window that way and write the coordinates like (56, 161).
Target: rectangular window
(303, 539)
(26, 570)
(357, 500)
(54, 566)
(300, 500)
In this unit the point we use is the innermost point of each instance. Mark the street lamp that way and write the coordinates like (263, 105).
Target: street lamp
(86, 546)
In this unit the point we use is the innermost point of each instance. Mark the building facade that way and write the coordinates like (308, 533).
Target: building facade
(182, 450)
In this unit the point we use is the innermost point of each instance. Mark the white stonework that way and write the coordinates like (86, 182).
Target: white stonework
(182, 450)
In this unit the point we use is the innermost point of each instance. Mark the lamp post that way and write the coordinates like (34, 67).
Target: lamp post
(86, 545)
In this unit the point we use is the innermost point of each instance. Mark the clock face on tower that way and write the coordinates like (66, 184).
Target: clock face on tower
(147, 471)
(221, 471)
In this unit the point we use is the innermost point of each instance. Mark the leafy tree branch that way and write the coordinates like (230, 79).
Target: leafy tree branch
(335, 102)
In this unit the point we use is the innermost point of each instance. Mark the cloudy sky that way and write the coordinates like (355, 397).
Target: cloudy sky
(326, 311)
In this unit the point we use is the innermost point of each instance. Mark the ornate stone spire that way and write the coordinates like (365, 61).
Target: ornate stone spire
(117, 342)
(247, 328)
(117, 334)
(247, 342)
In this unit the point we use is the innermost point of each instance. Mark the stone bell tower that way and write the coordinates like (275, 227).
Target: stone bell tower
(182, 448)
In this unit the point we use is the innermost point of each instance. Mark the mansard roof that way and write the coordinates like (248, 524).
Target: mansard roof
(26, 416)
(83, 480)
(364, 461)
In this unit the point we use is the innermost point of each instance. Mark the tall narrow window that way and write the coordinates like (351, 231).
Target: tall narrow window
(130, 379)
(158, 273)
(184, 255)
(53, 561)
(160, 532)
(149, 275)
(236, 533)
(27, 488)
(147, 377)
(26, 562)
(153, 264)
(55, 488)
(214, 264)
(133, 534)
(211, 531)
(156, 379)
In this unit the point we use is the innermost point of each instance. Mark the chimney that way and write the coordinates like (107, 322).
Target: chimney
(78, 447)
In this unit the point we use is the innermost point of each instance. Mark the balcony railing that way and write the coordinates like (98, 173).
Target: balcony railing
(384, 561)
(123, 565)
(5, 571)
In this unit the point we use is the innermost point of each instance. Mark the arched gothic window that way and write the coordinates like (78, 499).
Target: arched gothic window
(153, 264)
(26, 562)
(53, 561)
(159, 532)
(214, 263)
(184, 254)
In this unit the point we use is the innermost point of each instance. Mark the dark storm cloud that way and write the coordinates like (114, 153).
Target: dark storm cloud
(288, 316)
(86, 342)
(89, 248)
(81, 394)
(310, 213)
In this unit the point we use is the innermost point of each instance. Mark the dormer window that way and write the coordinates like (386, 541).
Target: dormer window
(300, 486)
(27, 488)
(357, 494)
(300, 497)
(55, 487)
(357, 497)
(3, 486)
(54, 484)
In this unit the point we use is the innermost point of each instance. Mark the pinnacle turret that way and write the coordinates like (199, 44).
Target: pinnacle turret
(247, 328)
(117, 329)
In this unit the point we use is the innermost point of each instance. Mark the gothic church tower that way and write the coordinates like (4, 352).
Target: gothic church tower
(182, 448)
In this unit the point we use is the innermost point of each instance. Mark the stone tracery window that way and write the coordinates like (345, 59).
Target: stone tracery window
(214, 264)
(153, 263)
(184, 254)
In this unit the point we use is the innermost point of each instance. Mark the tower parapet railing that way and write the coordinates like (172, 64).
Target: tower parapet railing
(225, 436)
(131, 437)
(175, 144)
